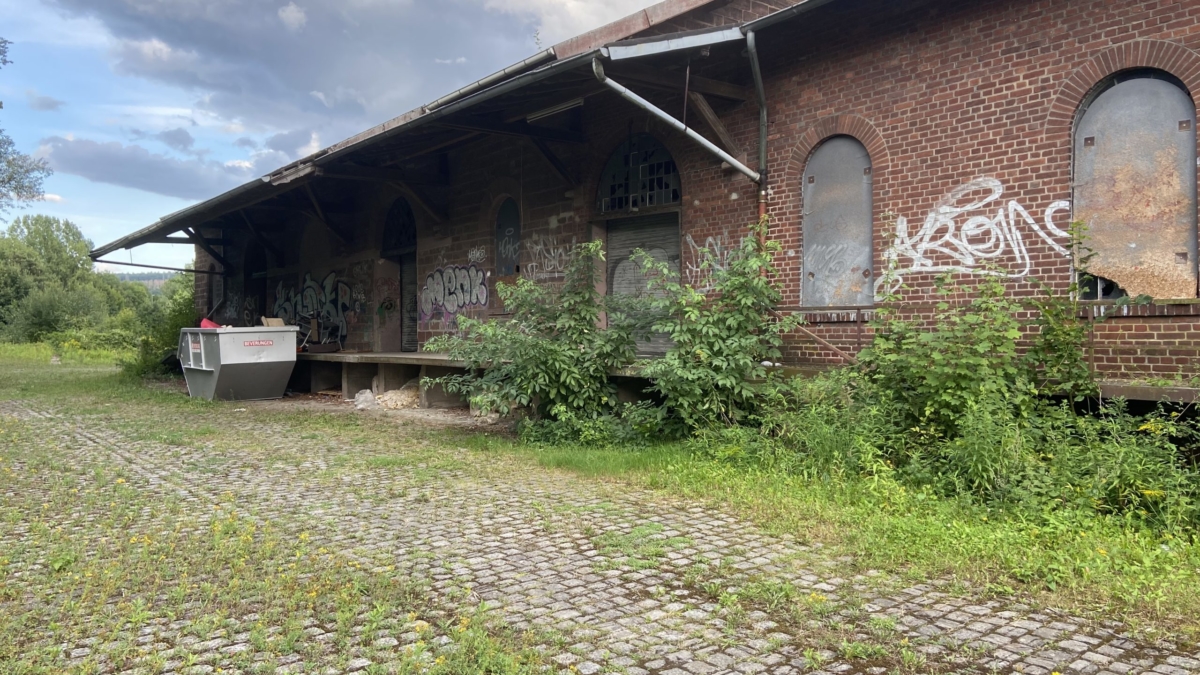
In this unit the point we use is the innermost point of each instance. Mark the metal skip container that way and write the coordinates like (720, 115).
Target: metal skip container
(237, 364)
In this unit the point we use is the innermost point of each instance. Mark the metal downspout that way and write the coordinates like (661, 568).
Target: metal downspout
(752, 49)
(598, 71)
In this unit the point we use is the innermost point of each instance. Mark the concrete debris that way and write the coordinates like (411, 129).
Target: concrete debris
(408, 396)
(365, 400)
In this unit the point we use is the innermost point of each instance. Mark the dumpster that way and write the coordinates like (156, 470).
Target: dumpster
(237, 364)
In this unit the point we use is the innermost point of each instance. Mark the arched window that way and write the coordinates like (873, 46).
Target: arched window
(399, 229)
(508, 239)
(1135, 186)
(837, 225)
(398, 315)
(639, 175)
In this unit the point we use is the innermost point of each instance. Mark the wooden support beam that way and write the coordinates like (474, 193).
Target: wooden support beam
(564, 172)
(320, 215)
(379, 174)
(258, 235)
(439, 216)
(525, 129)
(710, 118)
(672, 81)
(202, 243)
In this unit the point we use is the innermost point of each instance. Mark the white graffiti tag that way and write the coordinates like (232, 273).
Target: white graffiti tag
(716, 250)
(453, 289)
(953, 240)
(548, 256)
(328, 301)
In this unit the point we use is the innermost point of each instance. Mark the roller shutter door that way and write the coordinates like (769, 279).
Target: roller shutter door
(658, 235)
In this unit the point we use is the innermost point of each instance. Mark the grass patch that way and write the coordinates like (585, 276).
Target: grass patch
(102, 571)
(640, 548)
(1090, 564)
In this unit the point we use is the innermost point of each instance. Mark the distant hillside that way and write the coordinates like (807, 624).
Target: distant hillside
(151, 280)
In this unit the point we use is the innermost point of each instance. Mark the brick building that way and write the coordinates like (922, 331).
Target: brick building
(903, 140)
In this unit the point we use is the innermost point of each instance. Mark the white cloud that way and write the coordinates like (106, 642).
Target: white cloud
(293, 17)
(134, 166)
(41, 102)
(459, 60)
(53, 198)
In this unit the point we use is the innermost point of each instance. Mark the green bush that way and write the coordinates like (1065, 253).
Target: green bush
(551, 356)
(713, 374)
(163, 321)
(55, 308)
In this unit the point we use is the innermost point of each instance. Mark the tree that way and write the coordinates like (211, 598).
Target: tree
(21, 176)
(59, 244)
(21, 270)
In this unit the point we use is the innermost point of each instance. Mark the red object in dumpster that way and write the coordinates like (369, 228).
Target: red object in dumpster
(205, 323)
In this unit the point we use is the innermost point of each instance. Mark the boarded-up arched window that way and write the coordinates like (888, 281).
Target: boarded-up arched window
(1135, 186)
(639, 175)
(397, 316)
(837, 225)
(399, 229)
(508, 238)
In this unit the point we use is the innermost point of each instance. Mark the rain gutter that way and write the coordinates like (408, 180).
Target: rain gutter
(760, 90)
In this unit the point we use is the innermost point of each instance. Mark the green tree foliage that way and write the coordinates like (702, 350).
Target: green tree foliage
(59, 244)
(552, 356)
(50, 293)
(713, 373)
(21, 176)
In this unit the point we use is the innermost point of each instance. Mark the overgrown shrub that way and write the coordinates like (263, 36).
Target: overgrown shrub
(55, 308)
(713, 374)
(160, 335)
(551, 356)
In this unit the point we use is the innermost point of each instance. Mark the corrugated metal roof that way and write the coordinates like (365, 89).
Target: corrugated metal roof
(565, 56)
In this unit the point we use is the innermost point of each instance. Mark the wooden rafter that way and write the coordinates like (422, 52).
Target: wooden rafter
(564, 172)
(525, 129)
(258, 235)
(438, 215)
(710, 118)
(669, 81)
(203, 243)
(320, 215)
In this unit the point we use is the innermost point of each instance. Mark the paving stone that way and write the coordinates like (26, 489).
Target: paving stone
(517, 539)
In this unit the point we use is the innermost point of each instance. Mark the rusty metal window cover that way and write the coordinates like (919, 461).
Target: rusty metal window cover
(1135, 186)
(399, 229)
(837, 226)
(640, 174)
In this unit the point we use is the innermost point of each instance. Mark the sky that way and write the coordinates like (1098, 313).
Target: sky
(143, 107)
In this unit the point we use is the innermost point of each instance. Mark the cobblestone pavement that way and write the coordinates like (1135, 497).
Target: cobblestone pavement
(629, 581)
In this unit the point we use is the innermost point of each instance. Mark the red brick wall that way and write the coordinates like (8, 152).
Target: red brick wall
(944, 95)
(941, 95)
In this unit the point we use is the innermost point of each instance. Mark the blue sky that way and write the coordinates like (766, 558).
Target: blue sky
(146, 106)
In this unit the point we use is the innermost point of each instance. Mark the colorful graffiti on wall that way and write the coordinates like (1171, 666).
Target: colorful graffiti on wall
(331, 301)
(966, 230)
(452, 289)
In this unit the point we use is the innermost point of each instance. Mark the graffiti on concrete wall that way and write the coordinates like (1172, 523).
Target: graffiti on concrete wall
(452, 289)
(972, 231)
(548, 256)
(330, 300)
(387, 292)
(716, 250)
(477, 254)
